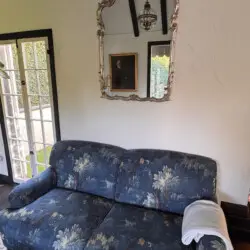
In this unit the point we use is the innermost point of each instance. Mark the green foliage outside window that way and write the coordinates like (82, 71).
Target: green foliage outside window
(40, 158)
(159, 75)
(35, 64)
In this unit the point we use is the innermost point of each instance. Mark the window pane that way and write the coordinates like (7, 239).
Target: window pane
(37, 128)
(32, 84)
(160, 59)
(46, 108)
(20, 169)
(40, 168)
(14, 56)
(8, 56)
(8, 103)
(19, 149)
(35, 107)
(21, 124)
(29, 170)
(18, 106)
(48, 150)
(49, 133)
(43, 153)
(41, 51)
(40, 157)
(16, 82)
(14, 106)
(28, 55)
(12, 85)
(6, 85)
(44, 82)
(16, 129)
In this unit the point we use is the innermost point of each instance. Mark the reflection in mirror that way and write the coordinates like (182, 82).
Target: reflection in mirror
(125, 72)
(158, 68)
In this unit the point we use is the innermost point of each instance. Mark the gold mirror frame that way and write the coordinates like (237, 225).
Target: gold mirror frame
(105, 80)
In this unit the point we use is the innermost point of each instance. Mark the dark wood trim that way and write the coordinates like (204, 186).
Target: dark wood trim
(164, 17)
(32, 34)
(238, 220)
(134, 17)
(149, 69)
(54, 85)
(150, 44)
(9, 179)
(26, 34)
(6, 180)
(232, 209)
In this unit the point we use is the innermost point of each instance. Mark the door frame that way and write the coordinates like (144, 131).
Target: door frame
(23, 35)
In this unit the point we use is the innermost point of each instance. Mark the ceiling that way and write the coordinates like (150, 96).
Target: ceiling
(117, 19)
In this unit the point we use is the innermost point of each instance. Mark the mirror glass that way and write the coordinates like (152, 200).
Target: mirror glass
(158, 68)
(136, 61)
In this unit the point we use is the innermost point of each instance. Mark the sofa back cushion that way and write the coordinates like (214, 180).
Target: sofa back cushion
(86, 166)
(165, 180)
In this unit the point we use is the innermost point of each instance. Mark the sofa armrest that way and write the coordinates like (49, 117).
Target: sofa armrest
(210, 242)
(32, 189)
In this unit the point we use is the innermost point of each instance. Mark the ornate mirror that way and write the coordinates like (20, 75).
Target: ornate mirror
(136, 48)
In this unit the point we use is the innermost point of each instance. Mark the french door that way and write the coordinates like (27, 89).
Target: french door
(29, 104)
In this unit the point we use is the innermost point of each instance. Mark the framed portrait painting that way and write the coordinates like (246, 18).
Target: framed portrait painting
(124, 72)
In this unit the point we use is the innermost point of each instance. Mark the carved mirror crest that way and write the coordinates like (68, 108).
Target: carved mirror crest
(134, 64)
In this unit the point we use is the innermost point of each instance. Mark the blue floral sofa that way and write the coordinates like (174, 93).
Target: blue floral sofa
(101, 197)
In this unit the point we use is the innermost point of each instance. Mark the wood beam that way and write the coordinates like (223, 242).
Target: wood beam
(134, 17)
(164, 17)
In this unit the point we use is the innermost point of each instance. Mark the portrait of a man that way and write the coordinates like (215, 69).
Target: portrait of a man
(124, 72)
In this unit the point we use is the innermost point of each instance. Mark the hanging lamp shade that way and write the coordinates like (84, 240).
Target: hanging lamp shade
(147, 17)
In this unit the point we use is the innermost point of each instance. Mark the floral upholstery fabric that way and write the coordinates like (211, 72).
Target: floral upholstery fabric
(32, 189)
(134, 228)
(165, 180)
(210, 242)
(86, 166)
(59, 220)
(78, 203)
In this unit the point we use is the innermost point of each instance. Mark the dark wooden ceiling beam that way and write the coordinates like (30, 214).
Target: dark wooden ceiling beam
(164, 17)
(134, 17)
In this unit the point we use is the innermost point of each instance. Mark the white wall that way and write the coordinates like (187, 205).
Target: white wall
(210, 109)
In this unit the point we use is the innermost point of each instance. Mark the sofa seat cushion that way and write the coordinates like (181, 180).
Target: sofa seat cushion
(135, 228)
(59, 220)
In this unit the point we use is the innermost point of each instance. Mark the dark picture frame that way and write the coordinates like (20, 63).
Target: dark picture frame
(124, 72)
(150, 46)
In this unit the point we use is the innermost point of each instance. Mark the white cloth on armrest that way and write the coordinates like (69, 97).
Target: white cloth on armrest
(204, 218)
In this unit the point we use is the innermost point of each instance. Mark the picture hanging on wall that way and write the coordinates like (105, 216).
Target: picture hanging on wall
(124, 72)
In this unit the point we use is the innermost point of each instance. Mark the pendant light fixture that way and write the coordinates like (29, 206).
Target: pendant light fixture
(147, 18)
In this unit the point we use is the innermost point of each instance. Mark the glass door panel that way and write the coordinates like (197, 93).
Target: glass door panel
(28, 105)
(13, 107)
(39, 95)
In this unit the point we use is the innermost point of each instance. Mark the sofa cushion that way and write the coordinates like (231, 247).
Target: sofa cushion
(165, 180)
(86, 166)
(59, 220)
(134, 228)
